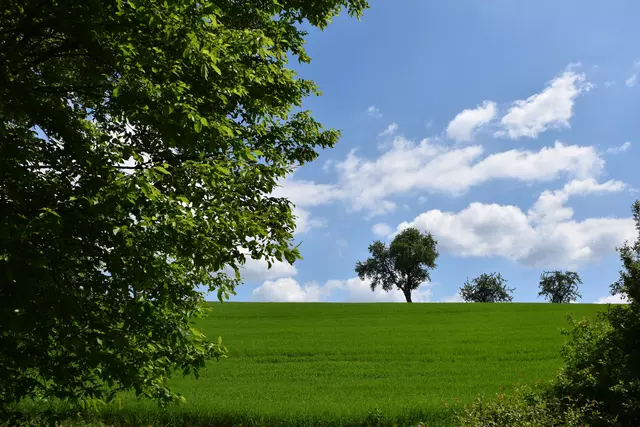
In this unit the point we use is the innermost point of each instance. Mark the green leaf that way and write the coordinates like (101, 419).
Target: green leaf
(222, 169)
(163, 170)
(51, 211)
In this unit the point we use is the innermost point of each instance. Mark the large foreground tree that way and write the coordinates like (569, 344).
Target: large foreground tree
(404, 264)
(139, 143)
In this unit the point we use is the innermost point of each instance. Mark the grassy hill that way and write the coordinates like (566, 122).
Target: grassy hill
(328, 364)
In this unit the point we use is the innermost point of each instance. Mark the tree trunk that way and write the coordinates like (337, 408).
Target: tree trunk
(407, 294)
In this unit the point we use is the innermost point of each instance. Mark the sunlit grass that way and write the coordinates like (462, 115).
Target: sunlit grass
(333, 364)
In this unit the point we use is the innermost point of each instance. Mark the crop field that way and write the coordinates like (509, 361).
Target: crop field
(337, 364)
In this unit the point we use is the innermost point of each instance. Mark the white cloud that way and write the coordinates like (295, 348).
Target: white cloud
(304, 194)
(631, 81)
(356, 290)
(350, 290)
(390, 130)
(257, 270)
(551, 108)
(307, 193)
(453, 298)
(546, 236)
(462, 127)
(624, 147)
(304, 222)
(612, 299)
(371, 184)
(286, 290)
(374, 111)
(368, 184)
(550, 205)
(381, 229)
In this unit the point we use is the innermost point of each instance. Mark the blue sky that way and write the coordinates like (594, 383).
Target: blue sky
(507, 129)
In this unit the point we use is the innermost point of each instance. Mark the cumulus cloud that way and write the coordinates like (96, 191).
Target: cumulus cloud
(390, 130)
(551, 108)
(620, 149)
(462, 127)
(304, 221)
(381, 229)
(453, 298)
(545, 236)
(367, 185)
(350, 290)
(612, 299)
(550, 205)
(356, 290)
(374, 111)
(286, 290)
(370, 184)
(304, 193)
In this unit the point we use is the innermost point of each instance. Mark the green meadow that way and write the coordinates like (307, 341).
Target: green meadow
(355, 364)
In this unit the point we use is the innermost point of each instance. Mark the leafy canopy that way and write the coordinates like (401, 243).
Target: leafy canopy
(487, 288)
(139, 143)
(560, 287)
(404, 264)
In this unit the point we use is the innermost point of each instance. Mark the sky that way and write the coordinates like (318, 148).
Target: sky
(508, 130)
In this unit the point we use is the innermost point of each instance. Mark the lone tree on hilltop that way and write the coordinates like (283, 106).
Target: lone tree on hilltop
(140, 144)
(560, 286)
(487, 288)
(404, 264)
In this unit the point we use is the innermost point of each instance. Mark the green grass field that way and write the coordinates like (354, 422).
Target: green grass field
(332, 364)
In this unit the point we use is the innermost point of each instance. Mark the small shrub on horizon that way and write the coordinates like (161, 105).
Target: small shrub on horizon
(560, 287)
(487, 288)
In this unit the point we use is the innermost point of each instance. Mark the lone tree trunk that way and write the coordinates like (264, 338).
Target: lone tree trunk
(407, 294)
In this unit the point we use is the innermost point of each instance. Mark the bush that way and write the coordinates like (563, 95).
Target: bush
(602, 357)
(487, 288)
(599, 384)
(602, 367)
(525, 407)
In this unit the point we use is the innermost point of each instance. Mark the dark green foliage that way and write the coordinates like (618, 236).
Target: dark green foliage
(524, 407)
(599, 384)
(602, 358)
(404, 264)
(139, 143)
(560, 287)
(487, 288)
